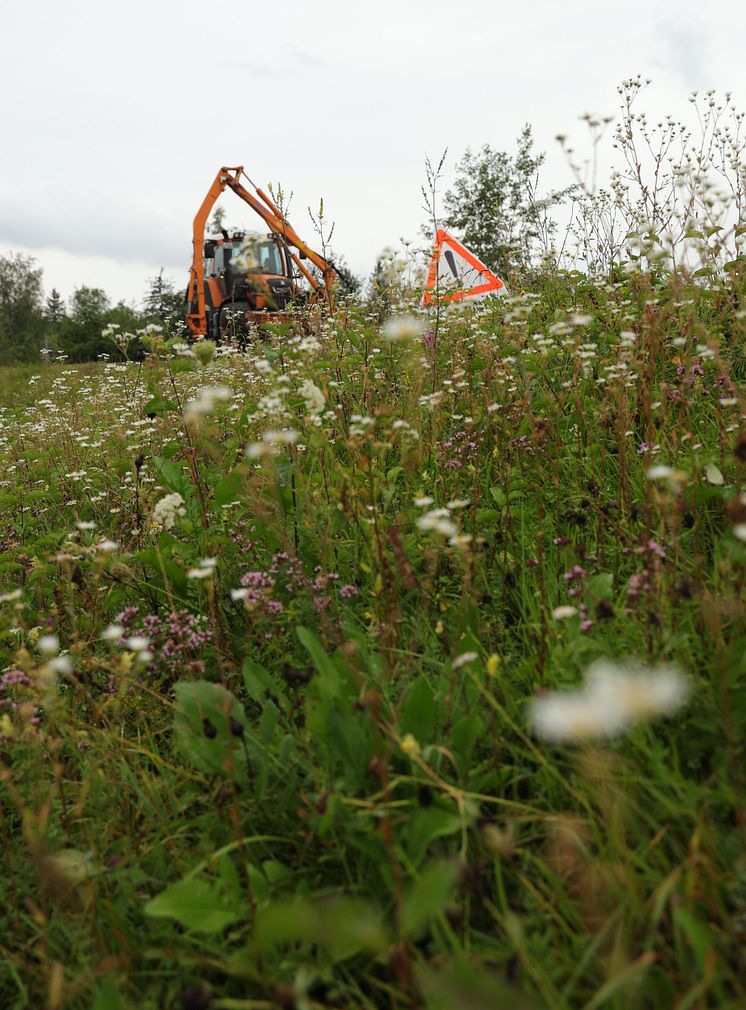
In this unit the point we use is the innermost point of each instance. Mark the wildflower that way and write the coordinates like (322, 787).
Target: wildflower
(285, 437)
(61, 664)
(239, 594)
(401, 328)
(204, 351)
(107, 546)
(112, 633)
(410, 746)
(204, 570)
(458, 503)
(660, 472)
(167, 510)
(14, 594)
(359, 423)
(493, 665)
(438, 521)
(207, 399)
(313, 397)
(463, 659)
(563, 612)
(713, 474)
(137, 643)
(460, 540)
(424, 501)
(613, 699)
(739, 531)
(48, 645)
(86, 525)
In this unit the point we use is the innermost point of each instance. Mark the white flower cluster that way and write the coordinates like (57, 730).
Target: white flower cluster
(405, 430)
(271, 441)
(359, 423)
(167, 510)
(439, 521)
(401, 328)
(206, 401)
(204, 570)
(314, 399)
(614, 698)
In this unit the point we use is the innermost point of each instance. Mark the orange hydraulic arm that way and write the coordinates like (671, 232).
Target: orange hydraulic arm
(275, 221)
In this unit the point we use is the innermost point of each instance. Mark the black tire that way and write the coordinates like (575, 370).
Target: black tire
(232, 325)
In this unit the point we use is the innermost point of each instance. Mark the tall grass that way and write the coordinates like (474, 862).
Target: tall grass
(267, 745)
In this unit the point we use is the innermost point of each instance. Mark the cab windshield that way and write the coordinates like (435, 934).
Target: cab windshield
(254, 256)
(268, 258)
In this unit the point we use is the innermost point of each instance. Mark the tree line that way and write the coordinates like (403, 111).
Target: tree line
(31, 321)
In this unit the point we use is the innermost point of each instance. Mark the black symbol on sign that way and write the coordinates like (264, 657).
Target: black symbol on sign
(451, 262)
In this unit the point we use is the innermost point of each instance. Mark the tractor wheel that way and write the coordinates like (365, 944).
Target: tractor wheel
(232, 327)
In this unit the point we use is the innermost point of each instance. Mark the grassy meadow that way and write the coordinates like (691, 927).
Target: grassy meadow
(293, 645)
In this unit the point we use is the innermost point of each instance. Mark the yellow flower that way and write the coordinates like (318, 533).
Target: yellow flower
(493, 665)
(410, 746)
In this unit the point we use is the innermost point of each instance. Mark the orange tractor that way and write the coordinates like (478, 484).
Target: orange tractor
(239, 278)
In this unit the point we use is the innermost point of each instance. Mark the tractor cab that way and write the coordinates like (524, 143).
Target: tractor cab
(246, 273)
(244, 252)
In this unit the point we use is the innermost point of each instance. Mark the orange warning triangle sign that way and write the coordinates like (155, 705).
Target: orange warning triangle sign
(455, 273)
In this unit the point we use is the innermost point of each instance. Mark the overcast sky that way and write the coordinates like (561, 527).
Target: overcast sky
(116, 116)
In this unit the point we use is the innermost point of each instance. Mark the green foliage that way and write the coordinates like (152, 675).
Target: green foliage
(162, 303)
(21, 309)
(196, 904)
(80, 332)
(495, 206)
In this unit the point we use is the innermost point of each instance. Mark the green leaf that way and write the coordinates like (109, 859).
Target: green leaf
(159, 406)
(463, 738)
(418, 711)
(228, 488)
(196, 904)
(258, 682)
(425, 826)
(462, 985)
(223, 753)
(173, 477)
(178, 365)
(697, 934)
(428, 897)
(599, 587)
(328, 680)
(349, 736)
(343, 925)
(160, 564)
(106, 996)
